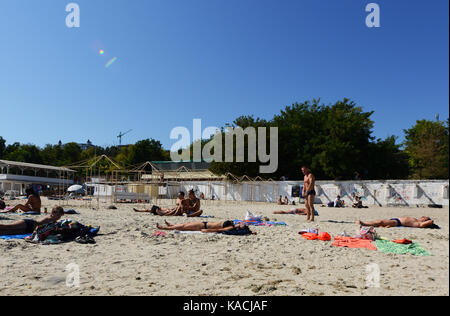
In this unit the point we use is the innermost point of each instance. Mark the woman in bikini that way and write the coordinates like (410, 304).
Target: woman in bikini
(193, 205)
(27, 226)
(295, 211)
(205, 227)
(33, 204)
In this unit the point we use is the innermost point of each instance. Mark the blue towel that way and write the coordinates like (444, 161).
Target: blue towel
(259, 223)
(276, 223)
(9, 237)
(31, 213)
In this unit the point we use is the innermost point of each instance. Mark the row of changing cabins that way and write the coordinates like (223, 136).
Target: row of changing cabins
(381, 193)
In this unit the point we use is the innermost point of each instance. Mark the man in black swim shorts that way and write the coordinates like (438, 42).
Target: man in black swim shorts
(27, 226)
(309, 193)
(423, 222)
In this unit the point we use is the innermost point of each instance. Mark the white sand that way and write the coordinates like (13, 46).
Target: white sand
(128, 260)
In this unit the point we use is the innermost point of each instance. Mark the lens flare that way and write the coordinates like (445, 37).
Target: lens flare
(110, 62)
(101, 52)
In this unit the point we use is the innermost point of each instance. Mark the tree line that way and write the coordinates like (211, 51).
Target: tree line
(71, 153)
(335, 140)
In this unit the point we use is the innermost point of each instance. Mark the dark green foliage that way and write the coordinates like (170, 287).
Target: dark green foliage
(335, 141)
(427, 145)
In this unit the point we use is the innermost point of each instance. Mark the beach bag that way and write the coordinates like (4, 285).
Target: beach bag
(367, 233)
(238, 232)
(42, 232)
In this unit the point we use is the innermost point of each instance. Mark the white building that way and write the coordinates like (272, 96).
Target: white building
(17, 176)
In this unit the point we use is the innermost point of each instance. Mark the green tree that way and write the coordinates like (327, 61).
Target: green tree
(335, 141)
(23, 153)
(385, 160)
(427, 145)
(2, 146)
(52, 155)
(145, 150)
(346, 136)
(124, 156)
(329, 139)
(71, 153)
(239, 168)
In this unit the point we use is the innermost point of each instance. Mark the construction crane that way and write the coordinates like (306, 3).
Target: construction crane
(121, 135)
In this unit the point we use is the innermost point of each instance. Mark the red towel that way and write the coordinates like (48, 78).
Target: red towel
(351, 242)
(403, 241)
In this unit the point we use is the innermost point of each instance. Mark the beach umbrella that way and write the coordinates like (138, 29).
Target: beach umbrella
(75, 188)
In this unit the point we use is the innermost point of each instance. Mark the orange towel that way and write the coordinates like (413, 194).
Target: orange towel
(351, 242)
(310, 236)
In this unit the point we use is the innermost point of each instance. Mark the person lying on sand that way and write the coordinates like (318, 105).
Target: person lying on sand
(193, 205)
(33, 204)
(27, 226)
(205, 227)
(422, 222)
(295, 211)
(178, 210)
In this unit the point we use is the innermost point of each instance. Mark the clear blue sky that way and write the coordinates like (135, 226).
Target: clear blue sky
(214, 60)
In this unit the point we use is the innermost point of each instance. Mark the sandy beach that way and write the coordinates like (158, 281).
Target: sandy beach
(128, 260)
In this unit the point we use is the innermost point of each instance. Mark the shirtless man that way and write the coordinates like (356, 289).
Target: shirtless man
(178, 210)
(422, 222)
(27, 226)
(33, 204)
(280, 200)
(193, 207)
(309, 193)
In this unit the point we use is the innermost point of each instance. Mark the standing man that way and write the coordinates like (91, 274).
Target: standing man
(309, 193)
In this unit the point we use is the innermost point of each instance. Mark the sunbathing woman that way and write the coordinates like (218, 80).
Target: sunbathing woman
(27, 226)
(423, 222)
(193, 205)
(205, 227)
(33, 204)
(295, 211)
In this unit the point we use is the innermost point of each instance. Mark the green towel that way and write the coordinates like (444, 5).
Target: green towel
(392, 247)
